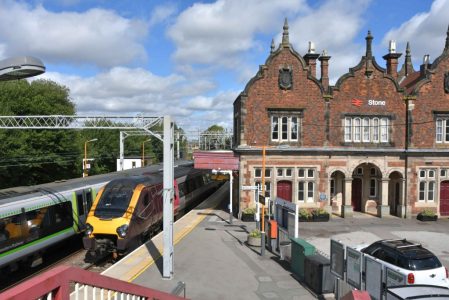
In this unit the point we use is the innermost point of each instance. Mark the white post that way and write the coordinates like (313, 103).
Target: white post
(230, 197)
(122, 140)
(296, 221)
(168, 199)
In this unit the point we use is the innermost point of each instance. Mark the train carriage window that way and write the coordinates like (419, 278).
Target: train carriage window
(79, 202)
(88, 200)
(11, 233)
(115, 200)
(181, 188)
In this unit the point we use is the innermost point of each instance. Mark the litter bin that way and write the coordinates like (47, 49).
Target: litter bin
(285, 250)
(318, 275)
(300, 249)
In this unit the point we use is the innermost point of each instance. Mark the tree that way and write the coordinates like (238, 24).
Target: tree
(36, 156)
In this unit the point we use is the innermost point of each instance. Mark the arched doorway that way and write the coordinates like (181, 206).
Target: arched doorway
(356, 196)
(284, 190)
(395, 193)
(337, 190)
(366, 188)
(444, 198)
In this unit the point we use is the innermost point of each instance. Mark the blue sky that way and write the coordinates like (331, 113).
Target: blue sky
(191, 59)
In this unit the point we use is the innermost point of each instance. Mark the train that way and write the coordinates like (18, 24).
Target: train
(128, 210)
(34, 218)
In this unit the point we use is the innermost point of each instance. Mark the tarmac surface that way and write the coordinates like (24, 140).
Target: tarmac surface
(214, 261)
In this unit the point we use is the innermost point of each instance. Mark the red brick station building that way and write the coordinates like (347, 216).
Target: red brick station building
(376, 142)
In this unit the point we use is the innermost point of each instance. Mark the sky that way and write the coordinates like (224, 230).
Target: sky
(191, 59)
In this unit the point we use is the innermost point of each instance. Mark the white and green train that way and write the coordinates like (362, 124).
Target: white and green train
(36, 217)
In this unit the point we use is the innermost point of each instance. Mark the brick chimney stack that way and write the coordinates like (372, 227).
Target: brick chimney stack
(311, 58)
(392, 60)
(324, 59)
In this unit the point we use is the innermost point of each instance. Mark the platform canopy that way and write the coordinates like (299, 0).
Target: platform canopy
(20, 67)
(216, 160)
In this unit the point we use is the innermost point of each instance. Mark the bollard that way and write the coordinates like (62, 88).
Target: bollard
(262, 242)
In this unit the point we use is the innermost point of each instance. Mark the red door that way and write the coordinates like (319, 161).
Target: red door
(444, 198)
(356, 197)
(284, 190)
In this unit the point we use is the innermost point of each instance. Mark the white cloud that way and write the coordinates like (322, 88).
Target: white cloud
(332, 26)
(137, 91)
(97, 36)
(161, 13)
(219, 32)
(425, 31)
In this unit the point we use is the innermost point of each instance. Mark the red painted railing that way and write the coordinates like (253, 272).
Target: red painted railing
(56, 283)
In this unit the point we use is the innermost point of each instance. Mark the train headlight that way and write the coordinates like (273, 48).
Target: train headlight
(122, 230)
(89, 229)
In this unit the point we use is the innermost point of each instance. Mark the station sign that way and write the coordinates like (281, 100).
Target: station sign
(249, 187)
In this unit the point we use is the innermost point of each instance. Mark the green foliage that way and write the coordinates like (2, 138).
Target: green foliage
(319, 212)
(427, 212)
(249, 211)
(36, 156)
(304, 213)
(255, 233)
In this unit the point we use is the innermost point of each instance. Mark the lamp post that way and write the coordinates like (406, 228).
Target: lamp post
(85, 157)
(143, 152)
(20, 67)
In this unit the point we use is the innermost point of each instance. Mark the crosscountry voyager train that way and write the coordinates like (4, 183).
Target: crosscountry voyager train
(36, 217)
(128, 210)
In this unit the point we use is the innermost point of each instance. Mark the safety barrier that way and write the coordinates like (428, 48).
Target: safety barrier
(56, 284)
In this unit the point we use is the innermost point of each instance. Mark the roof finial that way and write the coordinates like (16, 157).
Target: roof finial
(407, 51)
(285, 40)
(446, 47)
(272, 46)
(369, 39)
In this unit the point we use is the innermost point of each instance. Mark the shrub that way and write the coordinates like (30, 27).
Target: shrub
(249, 211)
(255, 233)
(304, 213)
(319, 212)
(427, 212)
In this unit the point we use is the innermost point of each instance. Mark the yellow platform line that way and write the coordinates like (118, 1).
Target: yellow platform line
(177, 239)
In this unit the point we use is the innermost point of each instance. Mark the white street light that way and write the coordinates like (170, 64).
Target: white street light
(20, 67)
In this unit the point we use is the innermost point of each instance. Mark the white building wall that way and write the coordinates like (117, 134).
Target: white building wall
(129, 163)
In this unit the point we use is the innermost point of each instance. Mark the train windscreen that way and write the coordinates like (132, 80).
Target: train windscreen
(115, 200)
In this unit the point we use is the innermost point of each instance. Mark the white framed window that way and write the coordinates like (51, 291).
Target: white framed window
(366, 129)
(348, 129)
(373, 172)
(359, 171)
(285, 128)
(288, 172)
(439, 128)
(257, 173)
(384, 130)
(310, 173)
(427, 185)
(375, 130)
(267, 172)
(357, 129)
(280, 172)
(275, 128)
(306, 184)
(373, 187)
(443, 172)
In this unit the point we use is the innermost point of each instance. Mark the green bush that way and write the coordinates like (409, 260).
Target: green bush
(249, 211)
(319, 212)
(304, 213)
(427, 212)
(255, 233)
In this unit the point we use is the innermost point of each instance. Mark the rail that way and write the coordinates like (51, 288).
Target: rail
(56, 284)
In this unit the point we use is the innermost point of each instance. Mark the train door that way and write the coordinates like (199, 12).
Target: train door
(84, 202)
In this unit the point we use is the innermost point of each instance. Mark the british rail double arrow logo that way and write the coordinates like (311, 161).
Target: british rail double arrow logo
(357, 102)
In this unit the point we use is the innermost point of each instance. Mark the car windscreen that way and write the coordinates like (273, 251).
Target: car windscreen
(425, 263)
(115, 199)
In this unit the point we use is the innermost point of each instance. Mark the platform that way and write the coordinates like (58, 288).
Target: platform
(212, 258)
